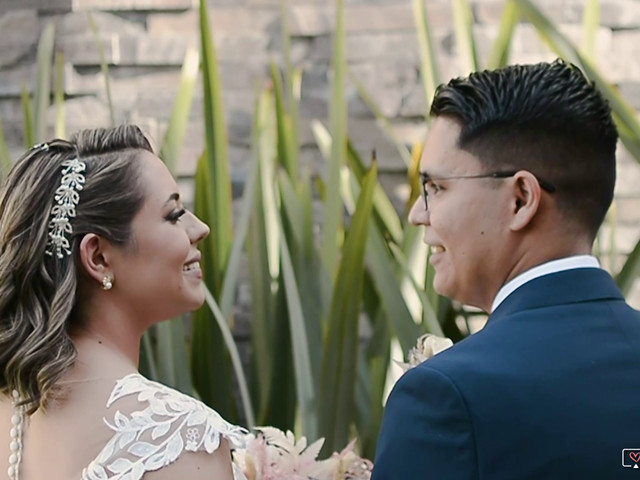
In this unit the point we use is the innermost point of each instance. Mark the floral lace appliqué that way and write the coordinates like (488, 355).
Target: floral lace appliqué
(151, 438)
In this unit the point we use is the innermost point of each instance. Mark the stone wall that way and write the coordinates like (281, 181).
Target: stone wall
(145, 42)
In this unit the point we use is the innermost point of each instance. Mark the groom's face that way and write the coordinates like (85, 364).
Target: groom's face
(464, 220)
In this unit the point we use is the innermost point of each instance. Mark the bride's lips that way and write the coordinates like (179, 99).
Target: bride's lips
(192, 267)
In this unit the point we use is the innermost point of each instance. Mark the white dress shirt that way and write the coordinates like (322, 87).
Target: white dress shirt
(554, 266)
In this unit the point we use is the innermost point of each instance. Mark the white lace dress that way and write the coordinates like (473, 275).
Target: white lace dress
(170, 425)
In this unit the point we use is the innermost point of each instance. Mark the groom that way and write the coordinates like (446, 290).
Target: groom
(518, 172)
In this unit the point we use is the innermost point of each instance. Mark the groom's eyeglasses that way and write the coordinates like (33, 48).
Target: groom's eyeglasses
(427, 179)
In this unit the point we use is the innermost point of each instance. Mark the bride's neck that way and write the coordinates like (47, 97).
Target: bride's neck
(99, 354)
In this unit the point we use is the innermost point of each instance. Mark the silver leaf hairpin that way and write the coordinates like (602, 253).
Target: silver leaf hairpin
(66, 197)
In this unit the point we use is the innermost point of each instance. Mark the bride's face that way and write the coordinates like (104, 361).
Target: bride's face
(159, 276)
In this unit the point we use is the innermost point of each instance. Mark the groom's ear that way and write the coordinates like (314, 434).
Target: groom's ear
(525, 200)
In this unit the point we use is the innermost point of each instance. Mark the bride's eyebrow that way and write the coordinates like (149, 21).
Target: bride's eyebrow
(173, 197)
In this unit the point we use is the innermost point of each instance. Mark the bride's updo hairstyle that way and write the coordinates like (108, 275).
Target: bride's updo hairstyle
(40, 287)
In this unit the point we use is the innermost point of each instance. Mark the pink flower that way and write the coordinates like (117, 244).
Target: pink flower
(271, 454)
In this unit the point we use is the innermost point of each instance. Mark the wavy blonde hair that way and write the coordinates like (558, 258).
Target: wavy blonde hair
(39, 294)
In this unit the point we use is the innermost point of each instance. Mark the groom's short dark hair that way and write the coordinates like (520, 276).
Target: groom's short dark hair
(547, 118)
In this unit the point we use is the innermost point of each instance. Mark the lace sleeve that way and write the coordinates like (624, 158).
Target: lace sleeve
(164, 425)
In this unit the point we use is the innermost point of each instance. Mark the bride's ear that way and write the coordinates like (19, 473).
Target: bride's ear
(94, 256)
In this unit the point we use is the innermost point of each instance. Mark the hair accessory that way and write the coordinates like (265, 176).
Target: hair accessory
(17, 424)
(67, 198)
(107, 282)
(43, 147)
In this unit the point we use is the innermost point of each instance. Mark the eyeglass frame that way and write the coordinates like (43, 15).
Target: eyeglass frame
(425, 178)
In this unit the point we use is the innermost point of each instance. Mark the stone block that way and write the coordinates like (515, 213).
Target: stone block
(165, 23)
(85, 83)
(78, 23)
(311, 20)
(140, 79)
(19, 36)
(414, 103)
(395, 186)
(240, 76)
(224, 20)
(386, 82)
(363, 18)
(366, 136)
(265, 3)
(85, 112)
(315, 82)
(389, 73)
(12, 79)
(276, 3)
(387, 101)
(531, 57)
(48, 6)
(83, 49)
(239, 127)
(620, 14)
(623, 240)
(527, 40)
(319, 50)
(191, 150)
(312, 163)
(239, 157)
(619, 68)
(11, 110)
(409, 131)
(302, 51)
(145, 50)
(238, 101)
(631, 92)
(627, 211)
(251, 48)
(488, 11)
(154, 102)
(400, 46)
(625, 43)
(390, 16)
(13, 125)
(306, 137)
(628, 178)
(186, 188)
(163, 50)
(563, 11)
(123, 5)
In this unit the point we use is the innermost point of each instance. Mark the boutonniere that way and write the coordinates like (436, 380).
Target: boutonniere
(426, 347)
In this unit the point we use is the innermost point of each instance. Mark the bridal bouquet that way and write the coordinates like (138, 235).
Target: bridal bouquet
(271, 454)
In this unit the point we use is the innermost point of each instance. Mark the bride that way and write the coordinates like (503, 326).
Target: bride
(95, 247)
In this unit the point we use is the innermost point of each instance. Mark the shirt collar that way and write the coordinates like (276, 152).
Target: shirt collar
(553, 266)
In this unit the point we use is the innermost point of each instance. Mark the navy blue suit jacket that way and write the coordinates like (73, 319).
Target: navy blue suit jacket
(549, 389)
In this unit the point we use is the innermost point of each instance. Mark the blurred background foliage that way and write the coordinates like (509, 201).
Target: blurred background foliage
(336, 295)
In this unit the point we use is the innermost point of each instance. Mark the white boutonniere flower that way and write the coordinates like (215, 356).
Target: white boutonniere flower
(426, 347)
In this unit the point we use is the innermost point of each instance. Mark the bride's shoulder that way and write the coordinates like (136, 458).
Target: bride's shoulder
(154, 426)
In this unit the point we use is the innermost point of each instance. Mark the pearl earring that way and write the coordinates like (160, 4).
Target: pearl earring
(107, 282)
